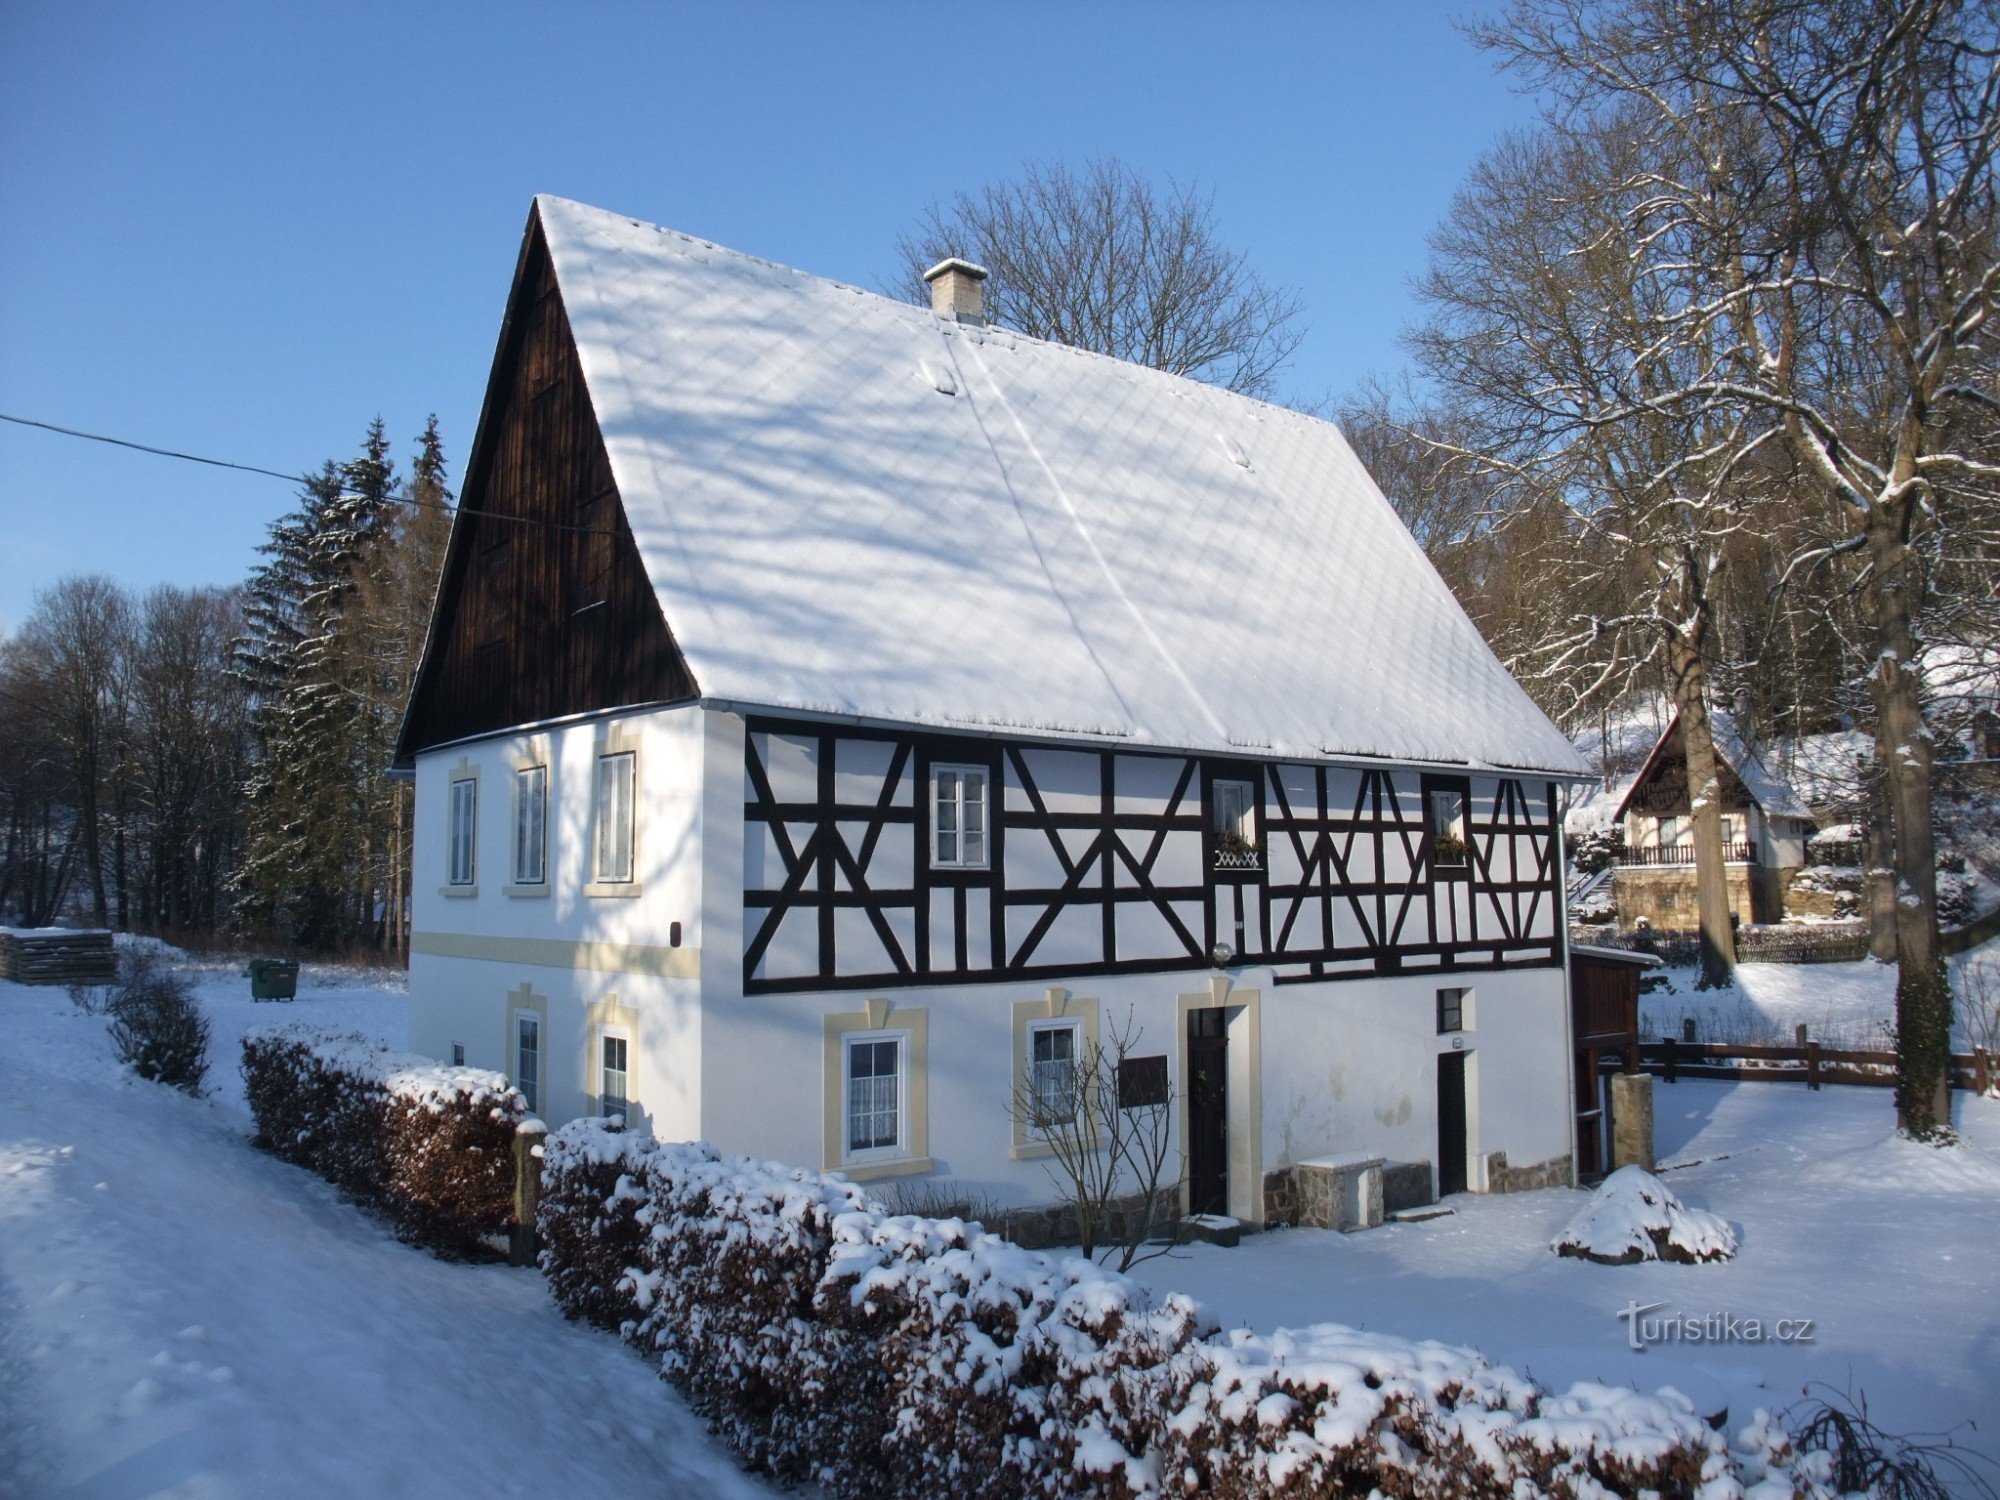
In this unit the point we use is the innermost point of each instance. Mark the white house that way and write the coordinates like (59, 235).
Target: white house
(836, 709)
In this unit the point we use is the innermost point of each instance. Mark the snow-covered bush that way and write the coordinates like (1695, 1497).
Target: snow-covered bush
(430, 1146)
(588, 1221)
(159, 1029)
(1633, 1216)
(830, 1341)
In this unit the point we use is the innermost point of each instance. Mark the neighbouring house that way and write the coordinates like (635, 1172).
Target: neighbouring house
(836, 711)
(1765, 823)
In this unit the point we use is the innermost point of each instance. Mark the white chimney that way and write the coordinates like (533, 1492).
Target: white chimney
(955, 290)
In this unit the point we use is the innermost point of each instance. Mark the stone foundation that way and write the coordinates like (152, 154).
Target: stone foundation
(1665, 896)
(1557, 1171)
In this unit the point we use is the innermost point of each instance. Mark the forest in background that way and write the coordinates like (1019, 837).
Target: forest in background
(195, 762)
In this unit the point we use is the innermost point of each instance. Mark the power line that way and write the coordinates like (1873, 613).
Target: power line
(223, 463)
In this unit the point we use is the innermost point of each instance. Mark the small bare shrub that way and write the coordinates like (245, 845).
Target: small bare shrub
(944, 1198)
(1868, 1461)
(159, 1029)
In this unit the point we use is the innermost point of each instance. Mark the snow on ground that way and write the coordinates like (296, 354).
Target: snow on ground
(181, 1314)
(1841, 1005)
(1887, 1246)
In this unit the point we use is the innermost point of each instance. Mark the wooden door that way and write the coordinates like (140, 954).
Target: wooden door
(1208, 1111)
(1591, 1118)
(1451, 1123)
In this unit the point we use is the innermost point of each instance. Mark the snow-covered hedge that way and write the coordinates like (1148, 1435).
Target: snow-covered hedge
(876, 1354)
(430, 1146)
(1633, 1216)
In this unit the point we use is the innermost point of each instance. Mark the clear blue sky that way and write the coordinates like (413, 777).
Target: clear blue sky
(245, 229)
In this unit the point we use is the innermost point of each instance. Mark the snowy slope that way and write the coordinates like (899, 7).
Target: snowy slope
(181, 1314)
(849, 505)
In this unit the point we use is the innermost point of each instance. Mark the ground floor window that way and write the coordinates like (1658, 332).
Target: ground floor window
(614, 1075)
(528, 1059)
(1054, 1051)
(874, 1069)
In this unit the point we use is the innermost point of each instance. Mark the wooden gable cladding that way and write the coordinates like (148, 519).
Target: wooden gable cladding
(1662, 788)
(1105, 861)
(545, 609)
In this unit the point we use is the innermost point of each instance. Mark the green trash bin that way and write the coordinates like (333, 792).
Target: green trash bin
(274, 978)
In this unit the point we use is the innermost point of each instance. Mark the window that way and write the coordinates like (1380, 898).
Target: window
(874, 1096)
(458, 1054)
(528, 1059)
(459, 831)
(531, 825)
(1052, 1072)
(1233, 821)
(614, 817)
(613, 1076)
(1447, 826)
(1451, 1011)
(958, 817)
(1670, 833)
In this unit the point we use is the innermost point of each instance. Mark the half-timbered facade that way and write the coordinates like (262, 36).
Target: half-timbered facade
(836, 712)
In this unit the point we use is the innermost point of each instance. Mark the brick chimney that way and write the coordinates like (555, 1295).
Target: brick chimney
(955, 290)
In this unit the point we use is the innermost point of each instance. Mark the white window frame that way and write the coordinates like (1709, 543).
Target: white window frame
(1074, 1026)
(531, 1087)
(525, 779)
(1244, 824)
(957, 802)
(462, 828)
(900, 1148)
(602, 820)
(602, 1035)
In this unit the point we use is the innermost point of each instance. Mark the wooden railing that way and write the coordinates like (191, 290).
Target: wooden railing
(1809, 1063)
(1683, 854)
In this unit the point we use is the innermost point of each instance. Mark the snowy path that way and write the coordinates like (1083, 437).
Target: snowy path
(182, 1315)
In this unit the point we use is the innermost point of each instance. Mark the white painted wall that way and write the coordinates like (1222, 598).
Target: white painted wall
(466, 1000)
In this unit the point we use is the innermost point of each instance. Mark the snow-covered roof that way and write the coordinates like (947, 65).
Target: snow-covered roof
(1773, 793)
(1770, 791)
(850, 505)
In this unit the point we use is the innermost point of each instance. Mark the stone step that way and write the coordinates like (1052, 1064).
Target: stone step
(1419, 1215)
(1212, 1229)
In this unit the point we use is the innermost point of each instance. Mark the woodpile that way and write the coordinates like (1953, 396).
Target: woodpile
(56, 955)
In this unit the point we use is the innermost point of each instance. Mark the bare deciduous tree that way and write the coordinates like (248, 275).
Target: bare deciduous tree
(1115, 1158)
(1101, 259)
(1829, 170)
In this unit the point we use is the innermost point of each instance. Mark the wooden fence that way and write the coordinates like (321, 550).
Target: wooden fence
(1808, 1063)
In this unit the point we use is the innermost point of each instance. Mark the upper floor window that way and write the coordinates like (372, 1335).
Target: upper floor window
(1233, 821)
(1446, 826)
(1451, 1011)
(616, 775)
(460, 828)
(531, 825)
(959, 817)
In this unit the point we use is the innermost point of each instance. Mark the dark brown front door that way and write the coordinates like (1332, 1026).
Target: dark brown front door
(1208, 1111)
(1451, 1123)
